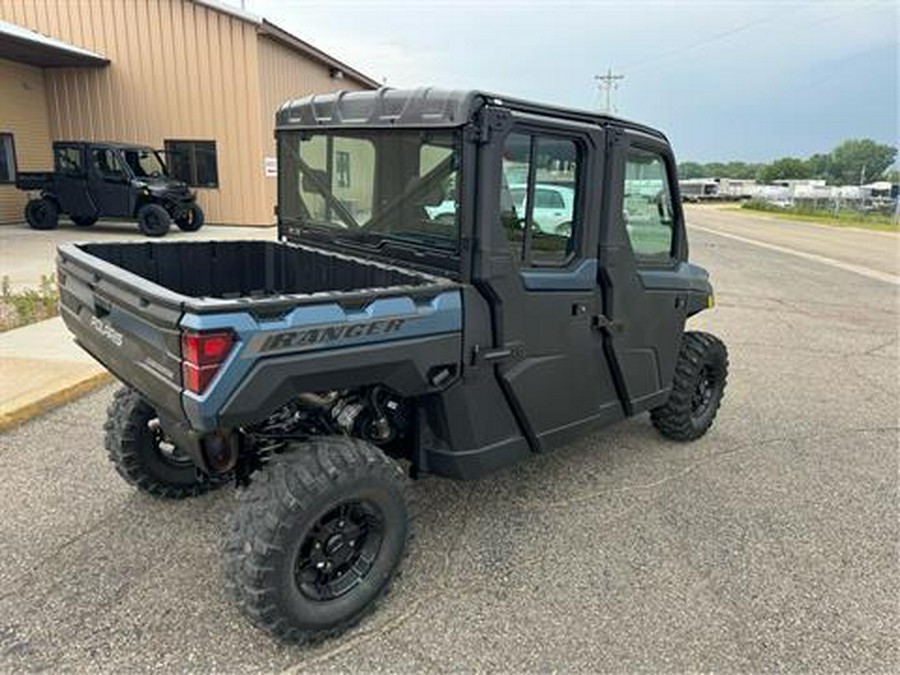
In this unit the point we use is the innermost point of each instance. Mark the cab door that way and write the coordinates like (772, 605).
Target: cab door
(542, 278)
(71, 181)
(643, 268)
(109, 182)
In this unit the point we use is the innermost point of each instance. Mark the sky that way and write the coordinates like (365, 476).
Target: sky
(729, 80)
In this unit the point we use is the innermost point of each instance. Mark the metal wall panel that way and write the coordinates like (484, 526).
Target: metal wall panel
(179, 70)
(23, 113)
(284, 75)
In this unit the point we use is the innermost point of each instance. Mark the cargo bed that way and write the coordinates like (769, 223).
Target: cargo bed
(129, 304)
(209, 274)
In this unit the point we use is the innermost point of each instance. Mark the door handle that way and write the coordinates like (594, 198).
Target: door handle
(512, 350)
(604, 324)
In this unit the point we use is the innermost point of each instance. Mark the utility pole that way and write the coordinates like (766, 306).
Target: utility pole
(607, 82)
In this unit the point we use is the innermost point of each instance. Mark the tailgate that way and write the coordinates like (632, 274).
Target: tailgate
(126, 323)
(33, 180)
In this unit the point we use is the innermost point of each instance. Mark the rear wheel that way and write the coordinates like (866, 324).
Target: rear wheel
(84, 221)
(153, 220)
(191, 219)
(42, 214)
(697, 388)
(317, 538)
(142, 454)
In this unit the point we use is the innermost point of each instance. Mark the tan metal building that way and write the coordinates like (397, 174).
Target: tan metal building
(197, 78)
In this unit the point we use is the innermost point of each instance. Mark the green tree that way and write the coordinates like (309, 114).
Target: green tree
(687, 170)
(860, 160)
(849, 162)
(741, 170)
(819, 166)
(786, 168)
(732, 169)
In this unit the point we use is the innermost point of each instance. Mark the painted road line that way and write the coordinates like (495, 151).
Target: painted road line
(847, 267)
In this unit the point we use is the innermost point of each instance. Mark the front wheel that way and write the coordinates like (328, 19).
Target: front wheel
(317, 538)
(141, 453)
(153, 220)
(697, 388)
(191, 219)
(42, 214)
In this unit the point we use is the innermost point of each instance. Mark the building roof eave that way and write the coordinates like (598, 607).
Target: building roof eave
(24, 45)
(289, 39)
(266, 27)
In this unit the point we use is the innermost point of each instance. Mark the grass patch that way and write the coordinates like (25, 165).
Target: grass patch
(20, 308)
(882, 222)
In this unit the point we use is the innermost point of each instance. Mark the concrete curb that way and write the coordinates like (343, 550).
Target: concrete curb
(14, 418)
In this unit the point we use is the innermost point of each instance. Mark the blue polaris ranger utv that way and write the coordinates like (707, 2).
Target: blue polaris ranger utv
(460, 280)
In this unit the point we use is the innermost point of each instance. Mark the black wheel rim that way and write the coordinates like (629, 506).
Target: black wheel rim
(339, 550)
(703, 392)
(41, 214)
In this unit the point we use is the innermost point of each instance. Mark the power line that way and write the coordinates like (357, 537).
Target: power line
(607, 82)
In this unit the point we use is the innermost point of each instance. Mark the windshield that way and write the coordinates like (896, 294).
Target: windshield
(371, 187)
(145, 163)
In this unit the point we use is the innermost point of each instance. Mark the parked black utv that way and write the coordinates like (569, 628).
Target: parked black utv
(109, 180)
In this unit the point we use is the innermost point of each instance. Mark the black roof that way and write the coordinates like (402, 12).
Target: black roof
(423, 107)
(121, 145)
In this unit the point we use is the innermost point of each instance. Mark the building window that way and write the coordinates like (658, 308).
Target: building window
(194, 162)
(7, 159)
(342, 168)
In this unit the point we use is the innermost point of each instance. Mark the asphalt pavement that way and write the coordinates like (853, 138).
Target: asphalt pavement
(849, 247)
(770, 544)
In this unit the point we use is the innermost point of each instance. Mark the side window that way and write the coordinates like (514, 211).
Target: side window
(68, 160)
(106, 163)
(647, 206)
(7, 159)
(538, 194)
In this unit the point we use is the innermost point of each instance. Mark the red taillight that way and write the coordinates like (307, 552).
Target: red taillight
(201, 356)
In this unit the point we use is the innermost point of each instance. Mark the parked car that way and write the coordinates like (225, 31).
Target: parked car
(109, 180)
(554, 206)
(368, 345)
